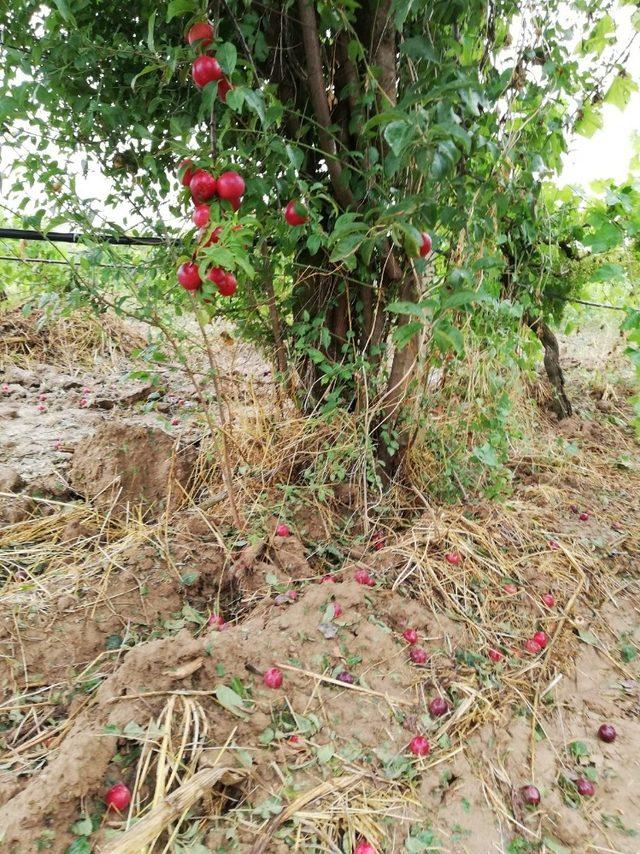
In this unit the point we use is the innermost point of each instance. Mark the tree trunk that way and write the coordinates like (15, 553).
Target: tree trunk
(561, 403)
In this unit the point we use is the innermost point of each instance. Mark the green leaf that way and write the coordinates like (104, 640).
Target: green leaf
(79, 846)
(487, 455)
(398, 135)
(620, 92)
(83, 827)
(417, 47)
(255, 100)
(179, 7)
(227, 56)
(230, 701)
(404, 333)
(556, 847)
(590, 121)
(324, 753)
(148, 69)
(578, 749)
(462, 298)
(406, 308)
(588, 637)
(65, 12)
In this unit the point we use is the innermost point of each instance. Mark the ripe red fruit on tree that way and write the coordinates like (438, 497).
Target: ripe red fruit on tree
(229, 286)
(224, 87)
(418, 655)
(188, 276)
(419, 745)
(214, 238)
(282, 530)
(205, 69)
(364, 847)
(217, 275)
(203, 186)
(530, 795)
(272, 677)
(230, 185)
(584, 517)
(532, 646)
(202, 33)
(186, 171)
(425, 244)
(548, 599)
(235, 203)
(585, 787)
(607, 733)
(510, 589)
(541, 638)
(295, 213)
(495, 655)
(410, 635)
(118, 797)
(453, 558)
(362, 577)
(438, 707)
(216, 621)
(201, 216)
(337, 609)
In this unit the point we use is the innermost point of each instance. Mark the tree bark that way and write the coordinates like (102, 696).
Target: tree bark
(561, 403)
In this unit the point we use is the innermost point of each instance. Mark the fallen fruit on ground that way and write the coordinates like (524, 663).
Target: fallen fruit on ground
(419, 745)
(273, 678)
(118, 797)
(418, 655)
(453, 558)
(549, 600)
(410, 635)
(282, 530)
(362, 577)
(346, 677)
(495, 655)
(438, 707)
(607, 733)
(531, 646)
(530, 795)
(337, 609)
(364, 847)
(541, 638)
(554, 545)
(216, 621)
(584, 517)
(585, 787)
(510, 589)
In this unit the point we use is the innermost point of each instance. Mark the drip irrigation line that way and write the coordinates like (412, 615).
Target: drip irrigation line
(63, 263)
(70, 237)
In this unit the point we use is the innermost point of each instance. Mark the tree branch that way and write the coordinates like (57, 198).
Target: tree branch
(318, 95)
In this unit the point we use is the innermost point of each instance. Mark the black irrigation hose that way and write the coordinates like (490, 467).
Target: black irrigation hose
(68, 237)
(62, 263)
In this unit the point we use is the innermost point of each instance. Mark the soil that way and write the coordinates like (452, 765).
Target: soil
(106, 648)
